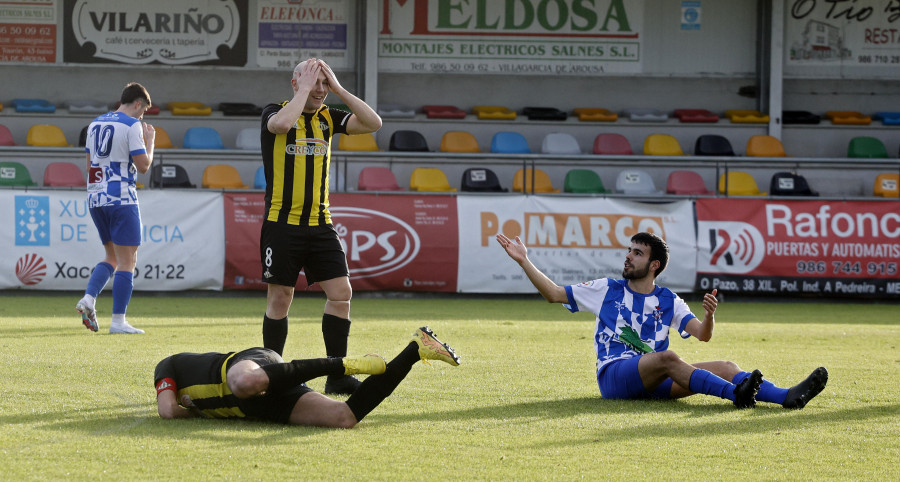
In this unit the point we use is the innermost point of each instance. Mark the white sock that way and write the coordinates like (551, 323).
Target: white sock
(90, 300)
(118, 319)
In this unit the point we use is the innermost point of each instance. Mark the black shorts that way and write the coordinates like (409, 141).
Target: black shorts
(273, 408)
(286, 249)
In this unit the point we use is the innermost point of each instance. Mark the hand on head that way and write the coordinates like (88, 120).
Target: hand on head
(306, 73)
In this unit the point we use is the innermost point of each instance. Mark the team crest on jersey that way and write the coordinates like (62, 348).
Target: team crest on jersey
(586, 283)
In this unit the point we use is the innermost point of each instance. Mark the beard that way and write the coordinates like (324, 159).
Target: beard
(636, 273)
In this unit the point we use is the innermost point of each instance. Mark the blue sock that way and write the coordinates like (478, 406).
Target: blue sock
(99, 277)
(708, 383)
(123, 285)
(768, 392)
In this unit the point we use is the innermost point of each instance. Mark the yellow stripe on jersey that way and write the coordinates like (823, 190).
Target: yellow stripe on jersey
(213, 390)
(277, 176)
(308, 185)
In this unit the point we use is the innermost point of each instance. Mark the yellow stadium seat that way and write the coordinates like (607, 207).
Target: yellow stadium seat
(587, 114)
(189, 108)
(163, 141)
(493, 112)
(887, 185)
(542, 183)
(46, 135)
(765, 146)
(739, 184)
(459, 141)
(739, 116)
(222, 176)
(357, 142)
(662, 145)
(848, 117)
(429, 179)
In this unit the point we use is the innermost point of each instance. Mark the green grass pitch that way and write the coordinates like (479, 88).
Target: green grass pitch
(523, 405)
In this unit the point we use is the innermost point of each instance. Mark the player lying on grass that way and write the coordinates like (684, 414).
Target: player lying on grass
(257, 383)
(634, 316)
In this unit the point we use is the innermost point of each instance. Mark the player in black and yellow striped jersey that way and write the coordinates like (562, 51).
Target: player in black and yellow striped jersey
(297, 232)
(258, 384)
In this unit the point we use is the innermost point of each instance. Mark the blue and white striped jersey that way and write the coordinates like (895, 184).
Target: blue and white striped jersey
(615, 305)
(112, 139)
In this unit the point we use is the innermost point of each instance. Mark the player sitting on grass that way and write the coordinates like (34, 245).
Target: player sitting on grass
(257, 383)
(634, 316)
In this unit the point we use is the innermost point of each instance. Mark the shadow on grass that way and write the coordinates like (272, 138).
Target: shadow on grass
(684, 420)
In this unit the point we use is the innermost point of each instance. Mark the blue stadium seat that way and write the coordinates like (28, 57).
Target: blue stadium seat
(506, 142)
(259, 180)
(202, 138)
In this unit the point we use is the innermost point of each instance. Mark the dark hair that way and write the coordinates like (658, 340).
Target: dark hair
(135, 91)
(659, 250)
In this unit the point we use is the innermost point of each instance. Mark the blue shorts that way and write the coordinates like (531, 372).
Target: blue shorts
(621, 380)
(120, 224)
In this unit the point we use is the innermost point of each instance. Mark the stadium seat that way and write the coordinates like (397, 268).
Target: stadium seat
(662, 145)
(248, 139)
(522, 181)
(46, 135)
(790, 184)
(765, 146)
(377, 178)
(357, 142)
(162, 140)
(886, 185)
(459, 141)
(560, 143)
(6, 137)
(493, 112)
(713, 145)
(867, 148)
(396, 111)
(189, 108)
(1, 106)
(429, 179)
(259, 179)
(506, 142)
(612, 145)
(799, 117)
(222, 176)
(587, 114)
(888, 118)
(687, 183)
(36, 106)
(646, 115)
(583, 181)
(64, 174)
(240, 108)
(544, 113)
(87, 107)
(739, 184)
(745, 116)
(695, 115)
(480, 179)
(848, 117)
(443, 112)
(202, 138)
(636, 182)
(169, 175)
(408, 141)
(14, 173)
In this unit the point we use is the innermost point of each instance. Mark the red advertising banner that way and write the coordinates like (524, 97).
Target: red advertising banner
(393, 242)
(828, 248)
(28, 31)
